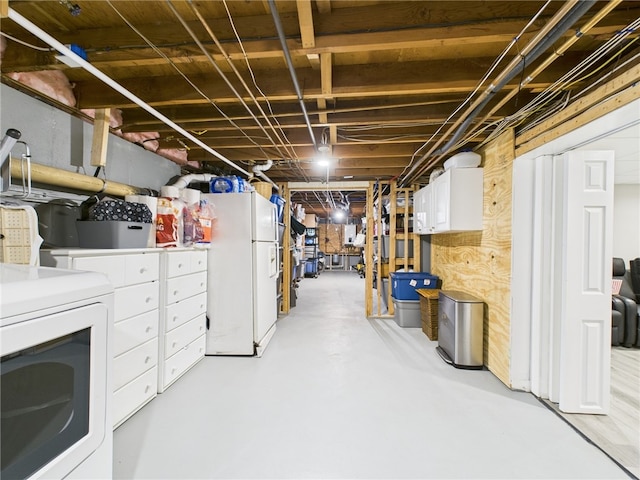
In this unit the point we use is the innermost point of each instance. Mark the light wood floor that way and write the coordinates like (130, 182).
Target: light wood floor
(617, 434)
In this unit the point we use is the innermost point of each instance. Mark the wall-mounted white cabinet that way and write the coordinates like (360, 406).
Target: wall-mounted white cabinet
(422, 217)
(452, 202)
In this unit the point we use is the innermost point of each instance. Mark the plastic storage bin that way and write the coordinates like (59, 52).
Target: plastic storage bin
(112, 234)
(400, 244)
(279, 203)
(311, 267)
(406, 313)
(405, 284)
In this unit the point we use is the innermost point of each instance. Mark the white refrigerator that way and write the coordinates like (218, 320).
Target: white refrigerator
(242, 275)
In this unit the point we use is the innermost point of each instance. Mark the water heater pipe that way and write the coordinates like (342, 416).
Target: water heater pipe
(76, 181)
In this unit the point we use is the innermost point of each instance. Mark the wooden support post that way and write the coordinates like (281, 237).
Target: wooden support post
(100, 137)
(285, 284)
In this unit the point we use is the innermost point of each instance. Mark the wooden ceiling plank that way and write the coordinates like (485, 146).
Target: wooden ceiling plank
(323, 6)
(354, 81)
(305, 20)
(111, 57)
(326, 75)
(322, 114)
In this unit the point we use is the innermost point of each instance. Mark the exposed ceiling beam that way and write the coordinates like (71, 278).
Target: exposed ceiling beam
(305, 20)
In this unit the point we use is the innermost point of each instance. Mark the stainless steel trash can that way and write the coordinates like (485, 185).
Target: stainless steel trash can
(460, 329)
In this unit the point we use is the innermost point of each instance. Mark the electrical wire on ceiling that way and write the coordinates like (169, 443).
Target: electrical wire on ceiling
(26, 44)
(62, 49)
(579, 73)
(275, 144)
(565, 17)
(293, 161)
(558, 51)
(185, 77)
(287, 55)
(479, 85)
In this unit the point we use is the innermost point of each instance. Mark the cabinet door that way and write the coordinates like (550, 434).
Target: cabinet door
(428, 208)
(441, 195)
(418, 212)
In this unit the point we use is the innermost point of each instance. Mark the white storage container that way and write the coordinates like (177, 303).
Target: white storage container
(463, 160)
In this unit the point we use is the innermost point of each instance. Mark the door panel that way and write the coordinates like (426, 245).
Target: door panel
(585, 303)
(265, 276)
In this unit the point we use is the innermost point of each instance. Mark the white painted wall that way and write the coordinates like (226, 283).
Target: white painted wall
(626, 221)
(59, 140)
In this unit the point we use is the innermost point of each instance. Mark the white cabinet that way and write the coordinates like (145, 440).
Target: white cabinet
(134, 274)
(452, 202)
(183, 308)
(422, 211)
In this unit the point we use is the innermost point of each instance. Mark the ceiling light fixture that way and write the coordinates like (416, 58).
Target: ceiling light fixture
(324, 148)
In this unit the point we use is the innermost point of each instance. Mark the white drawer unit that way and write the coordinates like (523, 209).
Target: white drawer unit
(134, 273)
(183, 307)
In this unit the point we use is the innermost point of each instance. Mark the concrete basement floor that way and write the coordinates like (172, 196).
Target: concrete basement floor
(339, 396)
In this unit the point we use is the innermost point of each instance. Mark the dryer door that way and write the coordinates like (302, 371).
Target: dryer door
(53, 372)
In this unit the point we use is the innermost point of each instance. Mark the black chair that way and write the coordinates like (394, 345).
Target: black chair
(617, 325)
(624, 302)
(634, 269)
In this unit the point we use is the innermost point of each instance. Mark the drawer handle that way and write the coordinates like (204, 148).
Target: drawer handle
(148, 329)
(173, 345)
(202, 284)
(143, 270)
(173, 370)
(148, 299)
(146, 360)
(175, 318)
(147, 388)
(175, 292)
(179, 265)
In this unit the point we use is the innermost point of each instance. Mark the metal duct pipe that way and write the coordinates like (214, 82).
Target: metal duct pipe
(538, 49)
(75, 181)
(292, 72)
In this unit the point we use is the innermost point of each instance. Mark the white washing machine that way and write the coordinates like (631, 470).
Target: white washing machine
(55, 373)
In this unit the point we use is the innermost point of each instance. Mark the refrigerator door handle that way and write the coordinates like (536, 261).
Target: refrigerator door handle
(273, 261)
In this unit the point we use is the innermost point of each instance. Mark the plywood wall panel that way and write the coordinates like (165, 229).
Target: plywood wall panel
(479, 263)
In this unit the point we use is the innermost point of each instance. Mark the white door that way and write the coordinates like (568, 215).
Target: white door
(265, 306)
(584, 305)
(264, 219)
